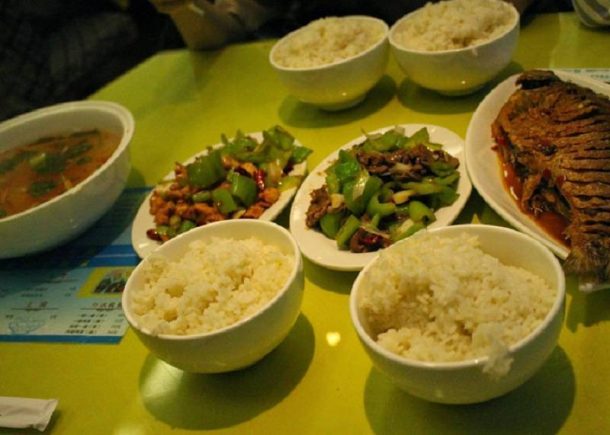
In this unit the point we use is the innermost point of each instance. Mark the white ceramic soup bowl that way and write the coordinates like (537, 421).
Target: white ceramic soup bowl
(69, 214)
(458, 71)
(249, 339)
(338, 85)
(465, 381)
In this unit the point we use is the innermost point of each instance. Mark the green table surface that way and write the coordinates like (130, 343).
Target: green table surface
(319, 380)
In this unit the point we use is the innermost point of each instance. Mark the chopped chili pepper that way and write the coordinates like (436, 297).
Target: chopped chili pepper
(259, 178)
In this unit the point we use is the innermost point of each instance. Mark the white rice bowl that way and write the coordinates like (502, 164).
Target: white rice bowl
(442, 299)
(326, 41)
(215, 285)
(454, 24)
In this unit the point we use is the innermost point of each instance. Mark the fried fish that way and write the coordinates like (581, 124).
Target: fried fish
(556, 136)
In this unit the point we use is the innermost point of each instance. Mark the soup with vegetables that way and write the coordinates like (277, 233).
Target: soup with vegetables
(38, 172)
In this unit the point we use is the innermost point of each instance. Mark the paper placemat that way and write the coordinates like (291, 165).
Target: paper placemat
(73, 293)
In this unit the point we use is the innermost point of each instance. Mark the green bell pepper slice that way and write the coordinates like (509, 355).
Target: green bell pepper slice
(289, 182)
(387, 192)
(374, 207)
(330, 224)
(419, 212)
(345, 168)
(444, 198)
(427, 187)
(449, 179)
(243, 188)
(388, 141)
(357, 193)
(415, 227)
(333, 185)
(224, 201)
(347, 230)
(206, 170)
(346, 171)
(300, 154)
(279, 137)
(421, 136)
(442, 168)
(241, 147)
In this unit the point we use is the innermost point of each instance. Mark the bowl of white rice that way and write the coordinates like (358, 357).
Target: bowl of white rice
(217, 298)
(332, 62)
(455, 47)
(460, 314)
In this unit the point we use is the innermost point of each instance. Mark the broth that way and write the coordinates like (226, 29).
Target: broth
(38, 172)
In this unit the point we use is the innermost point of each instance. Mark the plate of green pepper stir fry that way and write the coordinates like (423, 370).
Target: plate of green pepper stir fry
(378, 189)
(249, 176)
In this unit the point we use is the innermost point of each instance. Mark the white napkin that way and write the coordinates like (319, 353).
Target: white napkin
(601, 74)
(19, 412)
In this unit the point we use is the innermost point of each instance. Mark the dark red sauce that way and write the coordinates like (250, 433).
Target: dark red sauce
(552, 223)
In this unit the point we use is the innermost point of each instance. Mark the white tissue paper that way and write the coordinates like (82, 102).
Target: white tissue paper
(20, 412)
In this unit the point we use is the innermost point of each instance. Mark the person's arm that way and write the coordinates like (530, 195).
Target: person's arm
(204, 24)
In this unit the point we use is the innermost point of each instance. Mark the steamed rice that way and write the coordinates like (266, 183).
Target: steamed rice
(213, 286)
(328, 40)
(455, 24)
(442, 299)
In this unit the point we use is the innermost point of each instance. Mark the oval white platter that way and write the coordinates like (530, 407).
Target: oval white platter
(484, 167)
(143, 220)
(323, 251)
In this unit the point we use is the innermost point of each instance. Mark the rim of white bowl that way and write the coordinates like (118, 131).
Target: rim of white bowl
(121, 112)
(192, 235)
(400, 47)
(295, 33)
(473, 362)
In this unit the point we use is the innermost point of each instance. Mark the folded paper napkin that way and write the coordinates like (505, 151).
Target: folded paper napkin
(20, 412)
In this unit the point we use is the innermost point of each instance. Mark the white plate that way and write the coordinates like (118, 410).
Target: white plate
(483, 165)
(144, 220)
(323, 251)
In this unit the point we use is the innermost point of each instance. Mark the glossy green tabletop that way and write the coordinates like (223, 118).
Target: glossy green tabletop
(319, 380)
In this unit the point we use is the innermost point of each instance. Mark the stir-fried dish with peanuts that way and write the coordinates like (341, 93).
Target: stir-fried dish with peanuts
(240, 179)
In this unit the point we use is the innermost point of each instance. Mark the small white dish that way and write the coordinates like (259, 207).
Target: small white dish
(323, 251)
(144, 221)
(484, 166)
